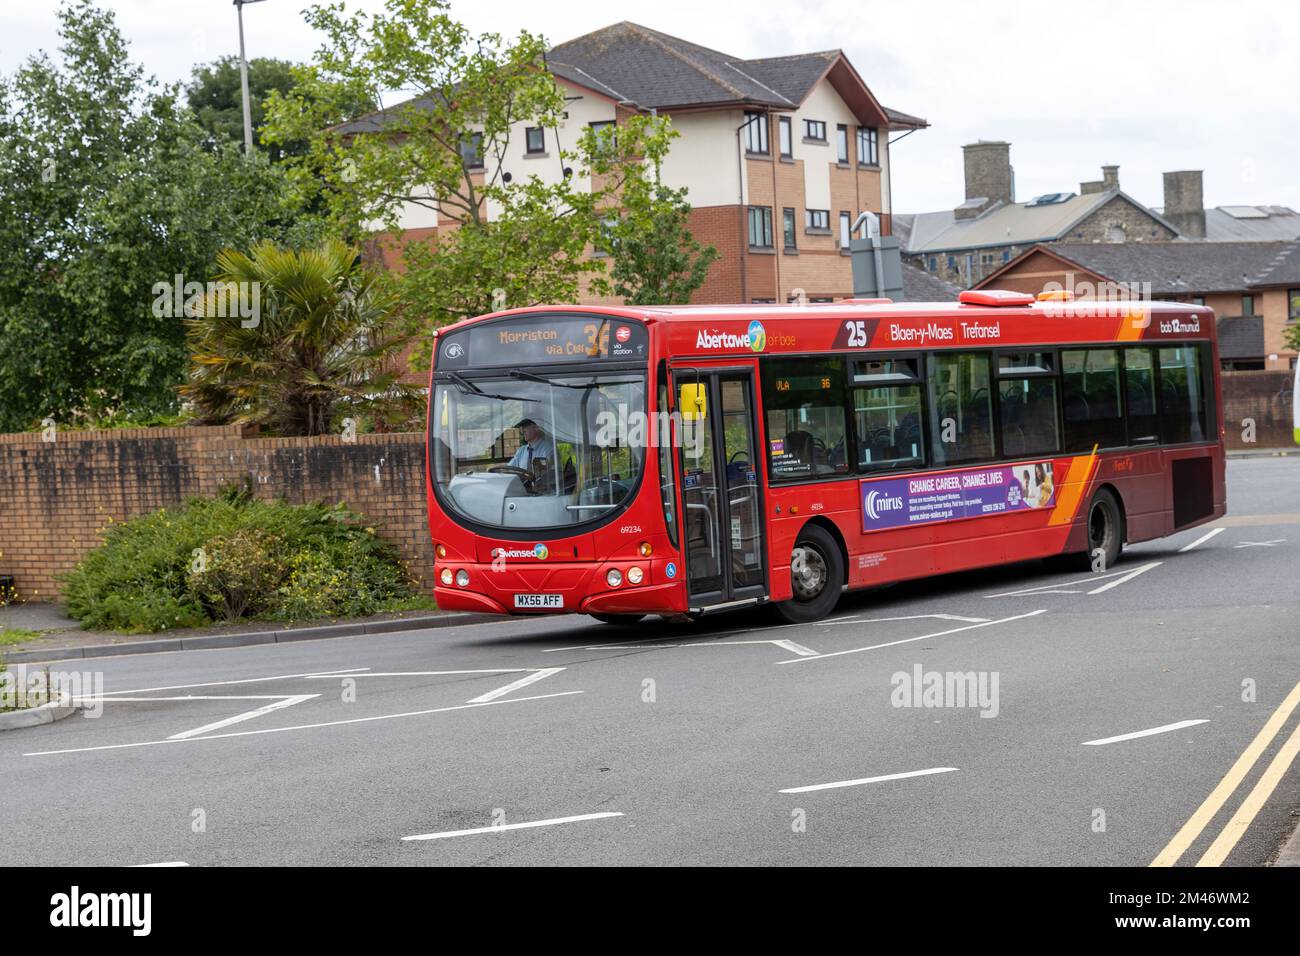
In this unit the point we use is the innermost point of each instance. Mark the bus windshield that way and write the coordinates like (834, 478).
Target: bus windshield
(520, 450)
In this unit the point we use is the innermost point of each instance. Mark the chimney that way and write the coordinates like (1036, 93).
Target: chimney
(1110, 177)
(988, 171)
(1184, 203)
(1096, 186)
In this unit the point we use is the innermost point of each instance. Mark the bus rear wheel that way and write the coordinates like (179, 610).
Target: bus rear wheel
(1105, 533)
(618, 618)
(816, 576)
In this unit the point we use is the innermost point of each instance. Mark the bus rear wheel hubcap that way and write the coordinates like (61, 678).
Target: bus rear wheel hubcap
(807, 572)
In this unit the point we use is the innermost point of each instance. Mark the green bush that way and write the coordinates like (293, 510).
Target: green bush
(231, 558)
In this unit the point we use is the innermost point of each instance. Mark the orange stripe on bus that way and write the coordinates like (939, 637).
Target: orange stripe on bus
(1077, 477)
(1132, 324)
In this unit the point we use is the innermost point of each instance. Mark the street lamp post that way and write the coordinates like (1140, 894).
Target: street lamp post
(243, 78)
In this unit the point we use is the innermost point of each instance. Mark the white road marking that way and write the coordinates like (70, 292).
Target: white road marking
(909, 640)
(240, 718)
(1258, 544)
(533, 678)
(278, 730)
(909, 617)
(446, 834)
(794, 648)
(492, 670)
(1128, 577)
(1166, 728)
(138, 866)
(1060, 587)
(857, 783)
(351, 671)
(1202, 539)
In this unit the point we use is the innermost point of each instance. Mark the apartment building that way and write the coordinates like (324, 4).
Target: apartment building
(779, 155)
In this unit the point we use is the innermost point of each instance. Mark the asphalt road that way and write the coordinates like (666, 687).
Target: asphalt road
(686, 739)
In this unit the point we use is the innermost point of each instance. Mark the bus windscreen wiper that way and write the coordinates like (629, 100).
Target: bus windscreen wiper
(519, 373)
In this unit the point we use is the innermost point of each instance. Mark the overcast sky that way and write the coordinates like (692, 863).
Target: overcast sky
(1151, 86)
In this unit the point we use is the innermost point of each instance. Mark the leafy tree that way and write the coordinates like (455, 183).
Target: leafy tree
(215, 95)
(656, 260)
(105, 191)
(443, 150)
(323, 341)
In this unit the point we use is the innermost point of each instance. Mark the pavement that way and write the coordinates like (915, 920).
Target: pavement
(1016, 715)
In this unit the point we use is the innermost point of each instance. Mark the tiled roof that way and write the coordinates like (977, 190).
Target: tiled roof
(1175, 268)
(1004, 224)
(921, 286)
(1284, 269)
(1241, 337)
(651, 70)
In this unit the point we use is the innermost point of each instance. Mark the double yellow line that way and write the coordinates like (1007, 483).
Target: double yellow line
(1245, 815)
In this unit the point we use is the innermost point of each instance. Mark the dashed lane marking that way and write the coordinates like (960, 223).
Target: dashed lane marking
(1163, 729)
(447, 834)
(865, 780)
(1202, 539)
(909, 640)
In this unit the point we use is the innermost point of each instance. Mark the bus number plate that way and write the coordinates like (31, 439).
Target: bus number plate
(539, 601)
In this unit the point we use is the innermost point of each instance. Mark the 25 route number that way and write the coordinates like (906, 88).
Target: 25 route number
(857, 334)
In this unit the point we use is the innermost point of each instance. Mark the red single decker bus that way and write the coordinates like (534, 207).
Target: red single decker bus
(619, 462)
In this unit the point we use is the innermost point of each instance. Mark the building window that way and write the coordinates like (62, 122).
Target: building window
(867, 146)
(756, 133)
(846, 223)
(471, 151)
(786, 133)
(1006, 255)
(952, 262)
(1247, 305)
(599, 129)
(842, 144)
(814, 130)
(817, 220)
(804, 401)
(787, 227)
(1198, 300)
(760, 227)
(1292, 304)
(535, 139)
(933, 263)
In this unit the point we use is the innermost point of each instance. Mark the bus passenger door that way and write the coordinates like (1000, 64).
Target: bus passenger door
(722, 516)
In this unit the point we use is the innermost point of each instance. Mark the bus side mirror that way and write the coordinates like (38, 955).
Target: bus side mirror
(692, 402)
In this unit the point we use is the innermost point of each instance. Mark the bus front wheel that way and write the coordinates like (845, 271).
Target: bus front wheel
(1105, 534)
(816, 576)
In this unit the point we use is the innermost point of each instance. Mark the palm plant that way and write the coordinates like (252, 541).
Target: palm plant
(326, 343)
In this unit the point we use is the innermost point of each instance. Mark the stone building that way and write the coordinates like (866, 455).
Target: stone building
(989, 228)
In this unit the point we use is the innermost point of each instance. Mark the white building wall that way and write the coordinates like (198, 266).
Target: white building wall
(703, 158)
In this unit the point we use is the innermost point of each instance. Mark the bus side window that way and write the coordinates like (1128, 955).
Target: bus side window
(1182, 399)
(961, 407)
(1140, 381)
(803, 401)
(1091, 399)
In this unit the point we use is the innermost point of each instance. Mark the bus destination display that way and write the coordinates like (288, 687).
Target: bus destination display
(536, 341)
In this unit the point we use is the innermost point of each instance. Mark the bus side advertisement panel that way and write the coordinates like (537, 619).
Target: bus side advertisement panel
(962, 493)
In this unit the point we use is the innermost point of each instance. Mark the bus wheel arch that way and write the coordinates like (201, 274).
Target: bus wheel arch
(823, 555)
(1104, 528)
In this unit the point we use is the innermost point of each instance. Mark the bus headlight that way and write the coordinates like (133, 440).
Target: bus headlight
(462, 578)
(445, 577)
(614, 578)
(634, 575)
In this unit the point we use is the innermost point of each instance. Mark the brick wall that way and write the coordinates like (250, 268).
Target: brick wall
(56, 497)
(1264, 397)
